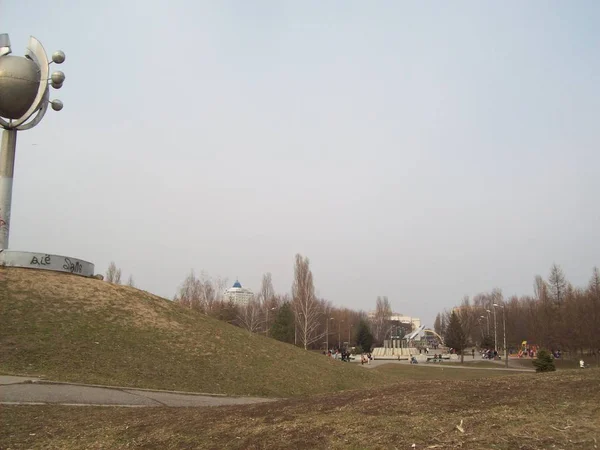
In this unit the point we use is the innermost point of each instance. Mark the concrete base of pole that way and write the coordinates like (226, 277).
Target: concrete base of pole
(7, 167)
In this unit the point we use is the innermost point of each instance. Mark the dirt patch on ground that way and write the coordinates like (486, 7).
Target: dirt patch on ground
(529, 411)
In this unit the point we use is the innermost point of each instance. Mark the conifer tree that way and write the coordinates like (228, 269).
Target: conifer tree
(544, 362)
(455, 337)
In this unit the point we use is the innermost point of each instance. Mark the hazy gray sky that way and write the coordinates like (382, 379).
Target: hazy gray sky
(419, 150)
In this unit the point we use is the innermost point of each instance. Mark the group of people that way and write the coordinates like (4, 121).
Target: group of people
(344, 355)
(488, 353)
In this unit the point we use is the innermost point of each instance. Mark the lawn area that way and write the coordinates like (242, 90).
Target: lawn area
(524, 363)
(69, 328)
(426, 372)
(524, 411)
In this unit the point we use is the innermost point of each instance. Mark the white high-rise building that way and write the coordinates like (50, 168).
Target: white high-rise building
(238, 295)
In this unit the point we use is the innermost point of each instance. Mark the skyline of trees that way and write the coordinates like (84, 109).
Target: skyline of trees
(556, 316)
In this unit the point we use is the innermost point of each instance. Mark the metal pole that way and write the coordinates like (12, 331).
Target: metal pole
(495, 333)
(349, 329)
(7, 168)
(327, 336)
(505, 347)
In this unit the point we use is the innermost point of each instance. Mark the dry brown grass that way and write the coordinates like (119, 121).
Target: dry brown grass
(541, 411)
(70, 328)
(89, 295)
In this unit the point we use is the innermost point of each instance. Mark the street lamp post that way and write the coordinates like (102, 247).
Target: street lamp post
(267, 319)
(504, 329)
(488, 323)
(480, 326)
(349, 330)
(327, 333)
(340, 334)
(495, 334)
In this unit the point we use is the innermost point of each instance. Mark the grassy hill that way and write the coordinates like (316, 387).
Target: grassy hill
(70, 328)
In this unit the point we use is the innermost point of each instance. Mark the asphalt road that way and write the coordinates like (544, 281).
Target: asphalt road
(446, 365)
(27, 391)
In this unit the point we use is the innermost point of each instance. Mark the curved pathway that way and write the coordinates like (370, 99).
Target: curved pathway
(445, 365)
(34, 391)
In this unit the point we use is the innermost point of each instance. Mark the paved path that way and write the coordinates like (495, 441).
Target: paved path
(27, 391)
(445, 365)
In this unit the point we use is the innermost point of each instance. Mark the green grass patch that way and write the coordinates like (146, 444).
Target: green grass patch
(69, 328)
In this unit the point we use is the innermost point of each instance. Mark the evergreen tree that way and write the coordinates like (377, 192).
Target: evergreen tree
(437, 325)
(455, 337)
(364, 338)
(283, 326)
(544, 362)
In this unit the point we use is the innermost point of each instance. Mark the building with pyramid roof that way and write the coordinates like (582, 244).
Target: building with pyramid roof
(239, 295)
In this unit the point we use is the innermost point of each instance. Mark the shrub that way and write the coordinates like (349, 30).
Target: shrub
(544, 362)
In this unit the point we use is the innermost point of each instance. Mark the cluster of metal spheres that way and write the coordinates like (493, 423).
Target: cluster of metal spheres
(24, 83)
(57, 78)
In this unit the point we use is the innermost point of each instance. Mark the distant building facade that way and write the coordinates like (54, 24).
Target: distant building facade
(414, 322)
(239, 295)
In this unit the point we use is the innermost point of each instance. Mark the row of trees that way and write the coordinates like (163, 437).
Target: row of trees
(301, 318)
(113, 275)
(558, 316)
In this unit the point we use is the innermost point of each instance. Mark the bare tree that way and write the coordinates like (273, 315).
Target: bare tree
(383, 312)
(558, 284)
(111, 272)
(267, 299)
(306, 307)
(208, 292)
(468, 320)
(118, 276)
(202, 292)
(267, 293)
(130, 281)
(250, 316)
(220, 284)
(189, 293)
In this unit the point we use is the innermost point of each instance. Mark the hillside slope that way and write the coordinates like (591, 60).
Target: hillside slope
(71, 328)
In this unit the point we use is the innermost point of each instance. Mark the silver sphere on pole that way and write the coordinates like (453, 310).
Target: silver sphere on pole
(58, 77)
(57, 105)
(19, 83)
(58, 57)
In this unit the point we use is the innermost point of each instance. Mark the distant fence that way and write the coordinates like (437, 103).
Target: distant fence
(45, 261)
